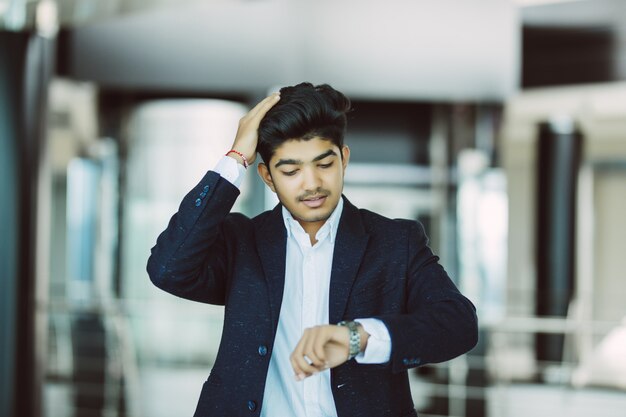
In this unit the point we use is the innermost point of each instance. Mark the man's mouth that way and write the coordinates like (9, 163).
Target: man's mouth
(315, 201)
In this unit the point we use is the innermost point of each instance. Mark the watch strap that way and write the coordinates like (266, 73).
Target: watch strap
(355, 337)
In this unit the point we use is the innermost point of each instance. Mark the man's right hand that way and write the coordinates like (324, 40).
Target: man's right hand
(247, 132)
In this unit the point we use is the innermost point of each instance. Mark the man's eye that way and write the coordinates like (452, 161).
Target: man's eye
(328, 165)
(290, 173)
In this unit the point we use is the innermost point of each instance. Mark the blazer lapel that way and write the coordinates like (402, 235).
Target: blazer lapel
(350, 245)
(271, 240)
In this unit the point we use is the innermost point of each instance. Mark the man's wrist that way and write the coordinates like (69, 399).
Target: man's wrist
(355, 340)
(230, 170)
(239, 157)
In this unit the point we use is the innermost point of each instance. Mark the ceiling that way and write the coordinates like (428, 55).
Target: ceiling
(192, 44)
(20, 14)
(400, 49)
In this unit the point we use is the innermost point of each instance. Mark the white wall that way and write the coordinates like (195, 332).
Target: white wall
(399, 49)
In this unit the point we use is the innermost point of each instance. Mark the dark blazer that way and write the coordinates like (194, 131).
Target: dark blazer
(381, 268)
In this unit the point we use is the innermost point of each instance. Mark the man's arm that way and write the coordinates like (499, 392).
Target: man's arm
(190, 257)
(440, 323)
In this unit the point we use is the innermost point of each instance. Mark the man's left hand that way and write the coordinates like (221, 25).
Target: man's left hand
(321, 348)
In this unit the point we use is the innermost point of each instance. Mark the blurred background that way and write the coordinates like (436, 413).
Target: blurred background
(501, 125)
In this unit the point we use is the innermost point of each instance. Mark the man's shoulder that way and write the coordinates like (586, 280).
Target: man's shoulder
(392, 232)
(252, 221)
(268, 219)
(373, 220)
(239, 227)
(267, 214)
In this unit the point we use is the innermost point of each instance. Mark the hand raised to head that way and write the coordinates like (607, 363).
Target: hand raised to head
(247, 133)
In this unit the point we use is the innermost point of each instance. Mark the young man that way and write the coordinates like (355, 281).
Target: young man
(326, 306)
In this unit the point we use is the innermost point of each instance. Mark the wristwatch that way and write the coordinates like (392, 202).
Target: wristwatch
(355, 337)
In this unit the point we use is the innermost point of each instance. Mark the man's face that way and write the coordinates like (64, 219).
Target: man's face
(307, 176)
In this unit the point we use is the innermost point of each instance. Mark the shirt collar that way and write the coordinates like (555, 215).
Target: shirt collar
(329, 228)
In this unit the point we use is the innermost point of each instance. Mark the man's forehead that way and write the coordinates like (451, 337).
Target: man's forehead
(304, 150)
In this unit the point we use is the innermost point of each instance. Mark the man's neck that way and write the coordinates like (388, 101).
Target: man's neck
(311, 229)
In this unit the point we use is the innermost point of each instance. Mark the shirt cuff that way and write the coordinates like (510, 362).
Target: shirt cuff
(378, 348)
(230, 170)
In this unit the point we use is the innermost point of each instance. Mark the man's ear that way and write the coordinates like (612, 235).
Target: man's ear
(345, 156)
(265, 175)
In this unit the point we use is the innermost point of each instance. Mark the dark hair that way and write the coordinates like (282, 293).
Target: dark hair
(304, 111)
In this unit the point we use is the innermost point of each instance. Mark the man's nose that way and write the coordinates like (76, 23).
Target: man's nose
(312, 181)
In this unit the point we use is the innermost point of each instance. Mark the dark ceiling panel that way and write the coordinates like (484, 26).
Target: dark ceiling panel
(575, 42)
(562, 56)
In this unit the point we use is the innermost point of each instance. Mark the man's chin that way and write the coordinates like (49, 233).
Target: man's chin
(313, 218)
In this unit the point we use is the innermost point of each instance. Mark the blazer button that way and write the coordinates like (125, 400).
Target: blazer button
(405, 361)
(251, 405)
(206, 189)
(262, 350)
(198, 202)
(202, 194)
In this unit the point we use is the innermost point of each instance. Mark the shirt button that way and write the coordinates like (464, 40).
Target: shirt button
(262, 350)
(206, 189)
(251, 405)
(198, 202)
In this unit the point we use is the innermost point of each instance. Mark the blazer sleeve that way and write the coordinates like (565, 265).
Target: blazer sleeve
(190, 258)
(439, 323)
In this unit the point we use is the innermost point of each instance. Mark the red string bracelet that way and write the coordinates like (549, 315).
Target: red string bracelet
(243, 158)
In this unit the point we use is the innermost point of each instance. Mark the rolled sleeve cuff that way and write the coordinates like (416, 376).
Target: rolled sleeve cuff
(378, 348)
(230, 170)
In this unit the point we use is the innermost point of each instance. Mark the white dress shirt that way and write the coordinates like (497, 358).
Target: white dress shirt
(305, 304)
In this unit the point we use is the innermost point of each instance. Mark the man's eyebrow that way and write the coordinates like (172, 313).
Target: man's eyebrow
(288, 162)
(324, 155)
(299, 162)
